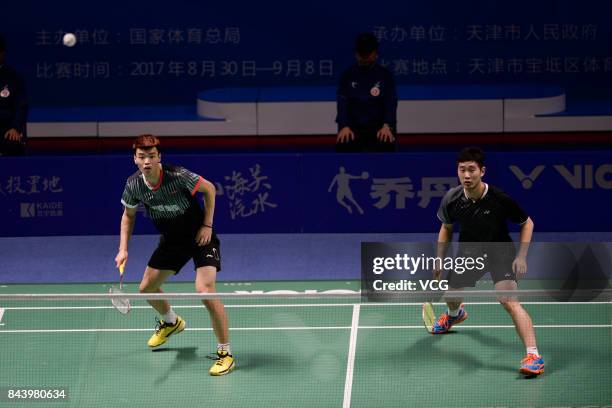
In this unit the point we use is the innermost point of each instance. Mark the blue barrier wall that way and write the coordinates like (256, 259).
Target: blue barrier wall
(289, 193)
(252, 257)
(136, 53)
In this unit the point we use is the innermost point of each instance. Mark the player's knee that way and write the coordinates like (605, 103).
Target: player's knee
(207, 287)
(146, 287)
(209, 304)
(509, 304)
(204, 288)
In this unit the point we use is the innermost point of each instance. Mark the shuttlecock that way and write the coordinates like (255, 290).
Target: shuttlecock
(69, 40)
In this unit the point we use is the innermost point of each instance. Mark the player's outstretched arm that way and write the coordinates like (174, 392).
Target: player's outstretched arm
(128, 219)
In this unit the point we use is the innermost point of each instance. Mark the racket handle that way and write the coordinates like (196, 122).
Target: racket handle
(121, 269)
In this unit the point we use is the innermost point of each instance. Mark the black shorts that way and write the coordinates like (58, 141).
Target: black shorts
(498, 264)
(499, 272)
(173, 256)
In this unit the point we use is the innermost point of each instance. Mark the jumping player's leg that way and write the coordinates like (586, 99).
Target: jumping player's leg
(151, 283)
(520, 317)
(171, 323)
(165, 261)
(455, 314)
(206, 277)
(533, 363)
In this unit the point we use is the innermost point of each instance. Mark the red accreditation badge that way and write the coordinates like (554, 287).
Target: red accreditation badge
(5, 93)
(375, 91)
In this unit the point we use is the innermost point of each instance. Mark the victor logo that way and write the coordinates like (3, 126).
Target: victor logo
(527, 180)
(585, 176)
(578, 176)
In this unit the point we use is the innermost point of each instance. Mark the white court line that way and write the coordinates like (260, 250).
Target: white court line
(297, 305)
(187, 329)
(350, 365)
(200, 306)
(500, 326)
(352, 328)
(1, 315)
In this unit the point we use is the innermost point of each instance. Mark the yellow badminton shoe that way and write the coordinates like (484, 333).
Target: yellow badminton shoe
(164, 330)
(224, 363)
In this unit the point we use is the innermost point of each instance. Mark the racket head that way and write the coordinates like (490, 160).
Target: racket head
(429, 316)
(121, 304)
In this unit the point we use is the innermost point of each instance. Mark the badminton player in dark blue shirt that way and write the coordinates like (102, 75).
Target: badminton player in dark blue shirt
(482, 212)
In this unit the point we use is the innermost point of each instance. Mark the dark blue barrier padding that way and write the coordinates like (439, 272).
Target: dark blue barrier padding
(245, 257)
(290, 193)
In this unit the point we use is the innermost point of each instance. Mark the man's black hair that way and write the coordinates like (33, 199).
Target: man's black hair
(365, 44)
(472, 154)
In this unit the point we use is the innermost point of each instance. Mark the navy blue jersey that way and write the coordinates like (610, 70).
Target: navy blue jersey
(366, 97)
(13, 101)
(484, 220)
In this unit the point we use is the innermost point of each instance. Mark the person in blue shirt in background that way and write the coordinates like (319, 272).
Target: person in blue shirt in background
(13, 109)
(367, 103)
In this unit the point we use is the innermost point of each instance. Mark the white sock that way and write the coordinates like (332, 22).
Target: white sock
(169, 317)
(533, 350)
(454, 312)
(225, 347)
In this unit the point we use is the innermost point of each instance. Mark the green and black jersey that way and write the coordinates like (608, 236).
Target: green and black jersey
(171, 204)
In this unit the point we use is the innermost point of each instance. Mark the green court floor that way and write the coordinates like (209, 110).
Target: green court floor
(315, 353)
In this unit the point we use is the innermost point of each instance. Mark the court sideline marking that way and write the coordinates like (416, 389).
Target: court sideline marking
(199, 306)
(350, 365)
(353, 329)
(1, 315)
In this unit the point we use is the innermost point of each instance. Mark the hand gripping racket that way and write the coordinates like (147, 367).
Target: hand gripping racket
(121, 304)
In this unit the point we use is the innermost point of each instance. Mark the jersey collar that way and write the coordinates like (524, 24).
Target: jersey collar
(159, 183)
(486, 190)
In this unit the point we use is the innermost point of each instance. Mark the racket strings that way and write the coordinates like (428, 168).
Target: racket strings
(121, 304)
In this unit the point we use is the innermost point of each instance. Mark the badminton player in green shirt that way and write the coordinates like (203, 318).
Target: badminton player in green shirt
(169, 196)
